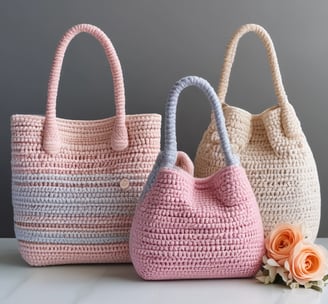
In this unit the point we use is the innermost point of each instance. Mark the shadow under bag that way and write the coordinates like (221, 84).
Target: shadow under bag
(272, 147)
(75, 183)
(186, 227)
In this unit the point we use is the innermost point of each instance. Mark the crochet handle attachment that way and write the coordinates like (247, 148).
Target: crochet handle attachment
(119, 138)
(272, 58)
(170, 143)
(169, 156)
(289, 120)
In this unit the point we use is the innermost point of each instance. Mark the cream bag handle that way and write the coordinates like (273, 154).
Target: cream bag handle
(290, 123)
(272, 58)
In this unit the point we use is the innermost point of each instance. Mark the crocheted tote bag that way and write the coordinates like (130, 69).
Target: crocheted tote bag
(186, 227)
(75, 183)
(272, 148)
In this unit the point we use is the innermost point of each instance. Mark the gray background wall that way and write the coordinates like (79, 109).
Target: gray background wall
(159, 42)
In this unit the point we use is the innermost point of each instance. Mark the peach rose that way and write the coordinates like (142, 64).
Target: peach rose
(281, 241)
(308, 262)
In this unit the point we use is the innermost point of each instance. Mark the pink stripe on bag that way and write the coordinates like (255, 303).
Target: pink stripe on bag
(75, 183)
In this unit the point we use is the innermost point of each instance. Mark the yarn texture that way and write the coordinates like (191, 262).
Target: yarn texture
(190, 228)
(272, 148)
(75, 183)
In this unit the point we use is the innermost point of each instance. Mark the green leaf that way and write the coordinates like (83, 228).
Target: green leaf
(317, 288)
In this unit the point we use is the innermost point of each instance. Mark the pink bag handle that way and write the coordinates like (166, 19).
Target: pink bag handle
(272, 58)
(119, 137)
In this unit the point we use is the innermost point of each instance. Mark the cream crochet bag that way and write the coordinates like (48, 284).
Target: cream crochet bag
(272, 148)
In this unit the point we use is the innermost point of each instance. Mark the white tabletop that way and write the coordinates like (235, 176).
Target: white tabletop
(115, 284)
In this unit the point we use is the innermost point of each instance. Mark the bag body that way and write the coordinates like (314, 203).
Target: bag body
(191, 228)
(75, 183)
(272, 148)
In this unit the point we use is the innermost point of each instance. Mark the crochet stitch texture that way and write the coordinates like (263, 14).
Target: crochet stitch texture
(272, 148)
(75, 183)
(186, 227)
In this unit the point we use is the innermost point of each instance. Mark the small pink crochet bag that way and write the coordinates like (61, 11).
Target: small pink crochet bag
(75, 184)
(186, 227)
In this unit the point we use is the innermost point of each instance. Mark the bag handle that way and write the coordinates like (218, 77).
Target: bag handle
(119, 138)
(170, 143)
(170, 155)
(271, 55)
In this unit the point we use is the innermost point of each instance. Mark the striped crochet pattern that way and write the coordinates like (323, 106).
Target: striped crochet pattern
(272, 147)
(191, 228)
(75, 183)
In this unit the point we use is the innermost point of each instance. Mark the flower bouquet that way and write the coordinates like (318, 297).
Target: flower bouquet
(292, 260)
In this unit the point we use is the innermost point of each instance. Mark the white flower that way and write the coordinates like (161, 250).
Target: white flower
(320, 284)
(283, 273)
(263, 279)
(272, 272)
(264, 259)
(272, 262)
(294, 285)
(286, 265)
(308, 285)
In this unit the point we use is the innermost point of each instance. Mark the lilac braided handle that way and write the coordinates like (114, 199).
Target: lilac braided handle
(51, 138)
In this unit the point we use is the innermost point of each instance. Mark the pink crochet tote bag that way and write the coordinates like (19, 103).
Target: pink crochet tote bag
(75, 183)
(191, 228)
